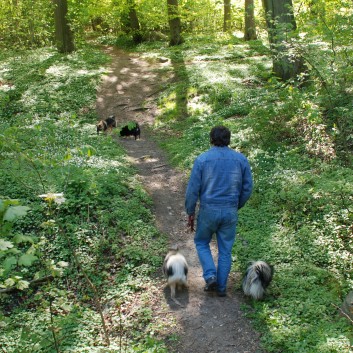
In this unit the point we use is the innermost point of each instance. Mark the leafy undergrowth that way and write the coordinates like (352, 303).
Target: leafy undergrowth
(78, 249)
(91, 234)
(299, 217)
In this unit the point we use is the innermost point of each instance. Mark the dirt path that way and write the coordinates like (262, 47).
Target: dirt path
(206, 323)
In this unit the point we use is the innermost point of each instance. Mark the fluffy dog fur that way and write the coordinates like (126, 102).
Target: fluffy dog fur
(106, 124)
(175, 268)
(128, 130)
(257, 278)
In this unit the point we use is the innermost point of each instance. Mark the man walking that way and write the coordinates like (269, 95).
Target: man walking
(221, 180)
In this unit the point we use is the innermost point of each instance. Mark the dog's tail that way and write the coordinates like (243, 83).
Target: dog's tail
(257, 278)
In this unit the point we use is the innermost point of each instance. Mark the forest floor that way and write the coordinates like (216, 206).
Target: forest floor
(206, 323)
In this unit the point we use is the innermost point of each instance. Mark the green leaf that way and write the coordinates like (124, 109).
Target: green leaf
(2, 206)
(14, 251)
(9, 262)
(27, 259)
(20, 238)
(22, 284)
(9, 282)
(14, 212)
(68, 156)
(5, 228)
(87, 151)
(4, 245)
(56, 272)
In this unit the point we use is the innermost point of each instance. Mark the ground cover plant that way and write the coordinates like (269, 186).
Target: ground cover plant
(78, 239)
(299, 217)
(76, 225)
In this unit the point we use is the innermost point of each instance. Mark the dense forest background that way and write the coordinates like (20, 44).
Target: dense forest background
(74, 217)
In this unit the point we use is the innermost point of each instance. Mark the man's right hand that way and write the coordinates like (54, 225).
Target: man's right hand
(191, 222)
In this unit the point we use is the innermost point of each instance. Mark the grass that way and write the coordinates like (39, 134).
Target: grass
(100, 244)
(298, 218)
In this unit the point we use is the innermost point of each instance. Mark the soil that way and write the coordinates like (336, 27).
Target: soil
(205, 323)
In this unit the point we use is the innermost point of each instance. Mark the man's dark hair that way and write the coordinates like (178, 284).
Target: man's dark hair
(220, 136)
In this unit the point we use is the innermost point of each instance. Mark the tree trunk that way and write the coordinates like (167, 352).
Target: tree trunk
(250, 26)
(281, 26)
(63, 35)
(227, 17)
(174, 23)
(134, 23)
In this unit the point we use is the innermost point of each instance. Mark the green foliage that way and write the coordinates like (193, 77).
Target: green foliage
(150, 345)
(26, 24)
(297, 135)
(325, 47)
(11, 255)
(131, 125)
(85, 207)
(299, 216)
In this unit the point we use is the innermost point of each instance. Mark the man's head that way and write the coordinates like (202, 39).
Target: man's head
(220, 136)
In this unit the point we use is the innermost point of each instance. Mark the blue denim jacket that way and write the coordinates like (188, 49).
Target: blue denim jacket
(220, 177)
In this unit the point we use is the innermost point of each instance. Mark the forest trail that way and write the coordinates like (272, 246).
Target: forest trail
(205, 323)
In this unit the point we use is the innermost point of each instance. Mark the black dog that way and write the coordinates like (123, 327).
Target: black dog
(257, 278)
(132, 129)
(106, 124)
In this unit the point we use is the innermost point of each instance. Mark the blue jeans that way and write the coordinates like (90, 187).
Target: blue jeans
(222, 222)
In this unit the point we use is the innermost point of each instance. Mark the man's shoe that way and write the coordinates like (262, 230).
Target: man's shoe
(221, 293)
(211, 285)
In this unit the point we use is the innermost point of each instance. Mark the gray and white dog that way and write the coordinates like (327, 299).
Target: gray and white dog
(175, 268)
(257, 278)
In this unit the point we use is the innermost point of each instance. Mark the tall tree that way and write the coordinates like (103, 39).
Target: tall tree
(250, 26)
(174, 22)
(63, 34)
(134, 22)
(227, 16)
(281, 27)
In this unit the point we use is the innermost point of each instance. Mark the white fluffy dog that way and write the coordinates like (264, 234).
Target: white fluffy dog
(175, 268)
(257, 278)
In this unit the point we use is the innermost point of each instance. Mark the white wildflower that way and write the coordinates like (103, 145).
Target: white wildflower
(51, 197)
